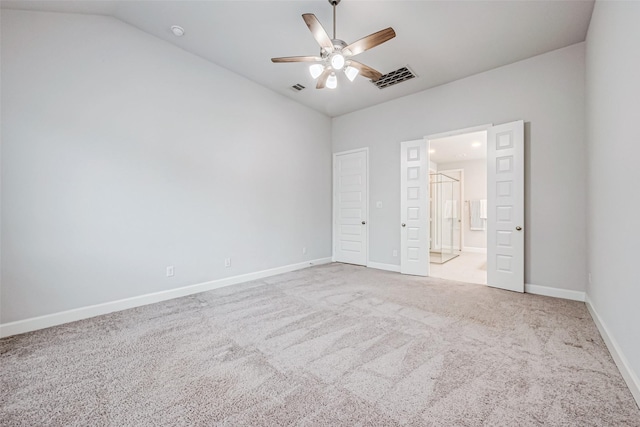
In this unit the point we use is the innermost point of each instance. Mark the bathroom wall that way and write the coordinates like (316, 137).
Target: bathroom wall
(475, 188)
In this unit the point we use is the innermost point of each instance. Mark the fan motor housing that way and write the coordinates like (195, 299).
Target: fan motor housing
(338, 45)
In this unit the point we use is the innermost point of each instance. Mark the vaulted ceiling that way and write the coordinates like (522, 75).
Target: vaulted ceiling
(440, 41)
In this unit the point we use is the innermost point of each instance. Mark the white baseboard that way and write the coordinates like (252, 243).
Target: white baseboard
(630, 377)
(386, 267)
(41, 322)
(474, 249)
(554, 292)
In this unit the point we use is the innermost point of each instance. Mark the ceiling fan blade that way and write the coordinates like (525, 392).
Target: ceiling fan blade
(318, 32)
(366, 71)
(297, 59)
(322, 80)
(372, 40)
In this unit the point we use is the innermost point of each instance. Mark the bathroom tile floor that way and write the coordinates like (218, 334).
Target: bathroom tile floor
(468, 267)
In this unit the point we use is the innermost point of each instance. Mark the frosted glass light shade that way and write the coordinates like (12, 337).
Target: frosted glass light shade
(337, 61)
(316, 70)
(351, 73)
(332, 81)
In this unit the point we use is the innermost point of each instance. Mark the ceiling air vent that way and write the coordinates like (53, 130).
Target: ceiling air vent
(297, 87)
(393, 78)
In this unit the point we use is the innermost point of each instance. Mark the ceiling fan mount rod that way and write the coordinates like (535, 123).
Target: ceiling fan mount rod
(334, 3)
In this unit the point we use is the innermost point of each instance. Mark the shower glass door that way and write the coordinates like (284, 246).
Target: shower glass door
(445, 212)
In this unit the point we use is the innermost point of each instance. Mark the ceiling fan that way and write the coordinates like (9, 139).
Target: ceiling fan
(335, 54)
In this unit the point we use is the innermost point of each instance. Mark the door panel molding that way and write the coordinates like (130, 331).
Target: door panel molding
(414, 208)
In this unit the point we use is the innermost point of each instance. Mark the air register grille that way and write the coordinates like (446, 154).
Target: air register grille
(393, 78)
(297, 87)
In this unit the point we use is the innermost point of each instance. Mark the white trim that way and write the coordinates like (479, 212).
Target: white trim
(386, 267)
(355, 150)
(333, 200)
(474, 249)
(630, 377)
(46, 321)
(428, 196)
(554, 292)
(459, 131)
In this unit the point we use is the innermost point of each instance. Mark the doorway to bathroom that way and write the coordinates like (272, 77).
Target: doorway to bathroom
(503, 227)
(458, 207)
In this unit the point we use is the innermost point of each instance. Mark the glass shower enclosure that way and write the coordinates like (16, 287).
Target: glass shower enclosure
(445, 209)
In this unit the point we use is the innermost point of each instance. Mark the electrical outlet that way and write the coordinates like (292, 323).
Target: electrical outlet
(227, 262)
(170, 271)
(304, 251)
(379, 204)
(395, 252)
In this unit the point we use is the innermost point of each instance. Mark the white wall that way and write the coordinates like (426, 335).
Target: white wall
(475, 188)
(613, 106)
(547, 92)
(122, 154)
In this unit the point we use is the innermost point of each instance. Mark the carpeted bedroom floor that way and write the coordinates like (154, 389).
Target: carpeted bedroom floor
(332, 345)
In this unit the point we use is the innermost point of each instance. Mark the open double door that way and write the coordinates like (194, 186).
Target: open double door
(505, 199)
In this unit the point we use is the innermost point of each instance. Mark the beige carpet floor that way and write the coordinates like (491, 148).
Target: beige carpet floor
(333, 345)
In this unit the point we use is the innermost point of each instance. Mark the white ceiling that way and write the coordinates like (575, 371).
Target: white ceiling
(441, 41)
(458, 148)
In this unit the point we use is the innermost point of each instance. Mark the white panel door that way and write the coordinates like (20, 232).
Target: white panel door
(414, 208)
(350, 200)
(505, 219)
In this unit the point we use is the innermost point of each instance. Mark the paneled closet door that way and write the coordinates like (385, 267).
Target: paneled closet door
(350, 200)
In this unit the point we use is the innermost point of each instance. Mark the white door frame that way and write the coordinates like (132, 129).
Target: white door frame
(459, 131)
(428, 138)
(335, 204)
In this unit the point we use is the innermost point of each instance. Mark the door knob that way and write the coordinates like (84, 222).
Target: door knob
(404, 225)
(363, 223)
(518, 228)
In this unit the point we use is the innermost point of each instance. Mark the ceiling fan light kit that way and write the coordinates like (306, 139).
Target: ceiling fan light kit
(351, 73)
(335, 54)
(332, 81)
(316, 70)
